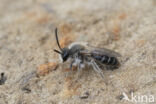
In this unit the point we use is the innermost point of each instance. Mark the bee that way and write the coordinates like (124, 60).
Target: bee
(80, 55)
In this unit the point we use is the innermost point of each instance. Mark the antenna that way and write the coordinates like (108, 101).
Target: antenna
(57, 51)
(57, 43)
(57, 40)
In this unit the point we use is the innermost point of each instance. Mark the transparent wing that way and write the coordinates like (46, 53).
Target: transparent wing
(102, 51)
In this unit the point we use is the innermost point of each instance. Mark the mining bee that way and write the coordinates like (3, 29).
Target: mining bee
(79, 55)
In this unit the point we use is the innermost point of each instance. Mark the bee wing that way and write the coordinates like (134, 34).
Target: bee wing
(102, 51)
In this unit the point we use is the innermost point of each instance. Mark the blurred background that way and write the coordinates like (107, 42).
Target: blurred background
(31, 72)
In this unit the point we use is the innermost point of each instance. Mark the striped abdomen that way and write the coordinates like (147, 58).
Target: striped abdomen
(106, 59)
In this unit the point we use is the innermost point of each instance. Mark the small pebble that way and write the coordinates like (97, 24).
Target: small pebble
(2, 79)
(26, 89)
(85, 95)
(120, 97)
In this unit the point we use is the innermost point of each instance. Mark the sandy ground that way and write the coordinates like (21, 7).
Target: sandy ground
(31, 72)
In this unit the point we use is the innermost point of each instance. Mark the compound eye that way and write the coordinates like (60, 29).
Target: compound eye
(65, 55)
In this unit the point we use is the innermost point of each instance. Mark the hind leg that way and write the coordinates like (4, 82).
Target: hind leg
(96, 68)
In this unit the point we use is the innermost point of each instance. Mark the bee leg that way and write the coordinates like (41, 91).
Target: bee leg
(71, 64)
(79, 70)
(96, 68)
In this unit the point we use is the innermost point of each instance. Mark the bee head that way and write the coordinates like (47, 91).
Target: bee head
(63, 52)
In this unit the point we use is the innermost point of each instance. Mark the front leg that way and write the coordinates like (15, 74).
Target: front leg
(71, 64)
